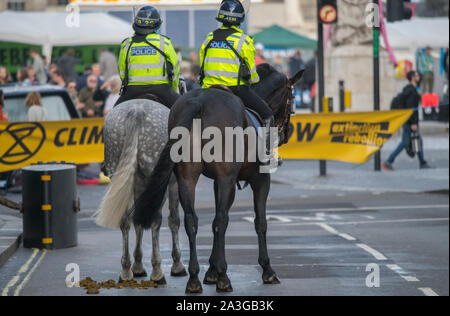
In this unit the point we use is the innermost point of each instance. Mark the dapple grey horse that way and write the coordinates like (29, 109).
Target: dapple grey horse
(135, 133)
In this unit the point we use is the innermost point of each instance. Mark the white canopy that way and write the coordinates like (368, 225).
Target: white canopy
(50, 29)
(418, 32)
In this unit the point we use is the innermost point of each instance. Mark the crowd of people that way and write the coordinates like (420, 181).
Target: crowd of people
(94, 92)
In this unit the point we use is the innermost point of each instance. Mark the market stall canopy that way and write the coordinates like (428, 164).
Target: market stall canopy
(418, 33)
(279, 37)
(50, 29)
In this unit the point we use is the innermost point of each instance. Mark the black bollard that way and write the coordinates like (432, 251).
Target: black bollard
(49, 206)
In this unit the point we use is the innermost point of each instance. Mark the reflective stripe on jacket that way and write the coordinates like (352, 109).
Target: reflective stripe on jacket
(146, 64)
(222, 64)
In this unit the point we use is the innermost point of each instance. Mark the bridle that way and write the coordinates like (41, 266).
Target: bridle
(289, 99)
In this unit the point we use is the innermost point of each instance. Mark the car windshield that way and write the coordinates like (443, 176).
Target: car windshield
(55, 106)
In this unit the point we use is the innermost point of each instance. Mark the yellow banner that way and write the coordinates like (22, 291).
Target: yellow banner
(76, 141)
(349, 137)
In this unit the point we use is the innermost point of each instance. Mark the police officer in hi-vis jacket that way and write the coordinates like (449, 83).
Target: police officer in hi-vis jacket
(227, 57)
(148, 63)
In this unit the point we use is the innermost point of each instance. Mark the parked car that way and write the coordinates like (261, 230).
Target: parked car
(55, 100)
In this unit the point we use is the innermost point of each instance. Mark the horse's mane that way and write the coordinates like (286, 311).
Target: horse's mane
(265, 70)
(270, 79)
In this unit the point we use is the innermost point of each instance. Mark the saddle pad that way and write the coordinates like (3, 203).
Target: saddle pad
(256, 122)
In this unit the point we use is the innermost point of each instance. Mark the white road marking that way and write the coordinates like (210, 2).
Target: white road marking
(348, 237)
(333, 231)
(368, 216)
(401, 207)
(345, 209)
(377, 222)
(428, 291)
(282, 219)
(399, 270)
(27, 278)
(328, 228)
(7, 238)
(378, 255)
(22, 269)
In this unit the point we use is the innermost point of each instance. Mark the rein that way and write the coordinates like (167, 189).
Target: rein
(288, 99)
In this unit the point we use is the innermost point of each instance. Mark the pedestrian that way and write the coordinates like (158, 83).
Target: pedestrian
(427, 71)
(87, 105)
(82, 79)
(57, 78)
(161, 74)
(3, 115)
(72, 88)
(296, 63)
(36, 112)
(108, 64)
(67, 64)
(31, 77)
(113, 85)
(5, 76)
(97, 71)
(446, 63)
(39, 67)
(22, 75)
(190, 74)
(410, 99)
(259, 59)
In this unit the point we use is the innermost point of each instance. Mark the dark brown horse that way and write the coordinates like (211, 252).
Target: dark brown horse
(219, 109)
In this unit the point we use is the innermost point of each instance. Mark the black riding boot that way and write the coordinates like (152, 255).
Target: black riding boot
(268, 123)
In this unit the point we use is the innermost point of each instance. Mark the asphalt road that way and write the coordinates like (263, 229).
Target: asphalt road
(319, 245)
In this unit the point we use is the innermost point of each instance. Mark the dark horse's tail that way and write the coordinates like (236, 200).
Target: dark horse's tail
(150, 202)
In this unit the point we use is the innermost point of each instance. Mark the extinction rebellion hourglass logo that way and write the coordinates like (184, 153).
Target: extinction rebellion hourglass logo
(20, 141)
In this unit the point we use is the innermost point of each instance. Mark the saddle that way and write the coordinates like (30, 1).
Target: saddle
(253, 115)
(150, 97)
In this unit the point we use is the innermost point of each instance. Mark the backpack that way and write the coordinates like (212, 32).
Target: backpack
(398, 102)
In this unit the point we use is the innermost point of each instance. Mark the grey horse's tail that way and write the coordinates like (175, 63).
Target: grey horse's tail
(150, 202)
(120, 196)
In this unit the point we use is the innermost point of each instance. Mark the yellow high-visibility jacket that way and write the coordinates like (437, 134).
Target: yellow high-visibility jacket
(221, 65)
(146, 64)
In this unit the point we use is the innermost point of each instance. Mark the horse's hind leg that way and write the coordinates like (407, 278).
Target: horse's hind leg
(187, 181)
(225, 190)
(174, 225)
(126, 274)
(138, 268)
(157, 273)
(261, 187)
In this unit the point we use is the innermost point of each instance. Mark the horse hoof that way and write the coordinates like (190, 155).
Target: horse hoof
(142, 274)
(161, 281)
(210, 277)
(194, 286)
(271, 279)
(126, 276)
(224, 285)
(138, 270)
(180, 273)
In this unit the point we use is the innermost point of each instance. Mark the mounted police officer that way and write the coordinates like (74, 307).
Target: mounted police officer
(148, 63)
(227, 58)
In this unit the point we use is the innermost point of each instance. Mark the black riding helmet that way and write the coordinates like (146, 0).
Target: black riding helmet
(147, 20)
(231, 12)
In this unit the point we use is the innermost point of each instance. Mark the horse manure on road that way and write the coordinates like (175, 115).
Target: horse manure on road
(93, 287)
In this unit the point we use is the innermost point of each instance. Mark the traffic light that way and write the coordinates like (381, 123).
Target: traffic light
(328, 11)
(398, 10)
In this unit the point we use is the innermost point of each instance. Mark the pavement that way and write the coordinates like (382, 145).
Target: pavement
(324, 232)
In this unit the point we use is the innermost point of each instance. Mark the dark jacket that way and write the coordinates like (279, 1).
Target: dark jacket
(411, 101)
(67, 64)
